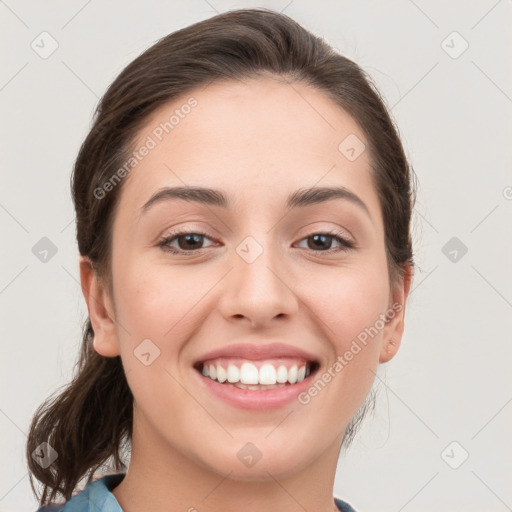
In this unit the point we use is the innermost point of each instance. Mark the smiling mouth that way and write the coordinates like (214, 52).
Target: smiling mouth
(257, 375)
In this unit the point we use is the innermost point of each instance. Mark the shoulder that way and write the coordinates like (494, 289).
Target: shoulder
(98, 491)
(343, 505)
(54, 507)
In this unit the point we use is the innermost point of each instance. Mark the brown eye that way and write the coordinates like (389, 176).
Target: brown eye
(187, 242)
(322, 242)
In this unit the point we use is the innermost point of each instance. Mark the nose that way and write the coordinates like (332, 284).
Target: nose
(257, 292)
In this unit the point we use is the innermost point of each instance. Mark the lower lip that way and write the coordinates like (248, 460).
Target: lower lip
(255, 399)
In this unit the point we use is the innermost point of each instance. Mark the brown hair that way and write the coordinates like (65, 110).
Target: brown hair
(89, 423)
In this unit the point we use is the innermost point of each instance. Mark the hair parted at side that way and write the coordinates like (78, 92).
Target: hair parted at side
(89, 422)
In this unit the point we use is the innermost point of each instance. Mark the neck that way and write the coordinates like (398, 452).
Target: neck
(160, 478)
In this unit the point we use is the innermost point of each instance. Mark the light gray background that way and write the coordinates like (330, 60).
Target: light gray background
(451, 378)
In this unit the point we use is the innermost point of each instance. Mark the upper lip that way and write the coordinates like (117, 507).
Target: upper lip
(257, 352)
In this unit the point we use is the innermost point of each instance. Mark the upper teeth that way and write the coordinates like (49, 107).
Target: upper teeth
(248, 373)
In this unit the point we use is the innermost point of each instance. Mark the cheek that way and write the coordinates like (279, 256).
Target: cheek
(348, 301)
(156, 303)
(347, 307)
(157, 309)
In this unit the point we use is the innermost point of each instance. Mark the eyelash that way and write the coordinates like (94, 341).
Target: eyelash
(346, 245)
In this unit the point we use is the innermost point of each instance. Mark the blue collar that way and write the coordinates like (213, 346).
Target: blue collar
(97, 496)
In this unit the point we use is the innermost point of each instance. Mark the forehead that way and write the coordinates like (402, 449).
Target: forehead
(257, 139)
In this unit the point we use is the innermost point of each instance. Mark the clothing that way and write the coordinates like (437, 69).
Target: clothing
(97, 497)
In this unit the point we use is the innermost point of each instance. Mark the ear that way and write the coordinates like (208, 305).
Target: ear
(101, 311)
(394, 329)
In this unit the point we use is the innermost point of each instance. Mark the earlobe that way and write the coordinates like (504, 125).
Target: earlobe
(389, 350)
(394, 329)
(100, 310)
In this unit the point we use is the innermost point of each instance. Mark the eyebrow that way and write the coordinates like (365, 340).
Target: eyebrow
(299, 199)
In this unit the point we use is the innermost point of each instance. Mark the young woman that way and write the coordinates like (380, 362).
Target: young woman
(243, 208)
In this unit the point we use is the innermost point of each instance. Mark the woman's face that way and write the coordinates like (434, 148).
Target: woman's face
(259, 277)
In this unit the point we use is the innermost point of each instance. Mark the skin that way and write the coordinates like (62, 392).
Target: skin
(258, 141)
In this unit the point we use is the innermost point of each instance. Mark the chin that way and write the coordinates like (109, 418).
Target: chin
(252, 464)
